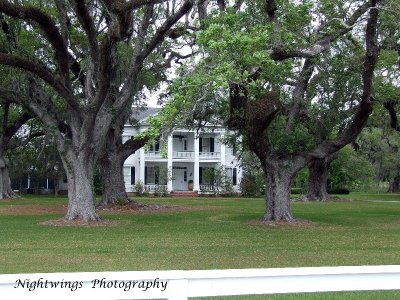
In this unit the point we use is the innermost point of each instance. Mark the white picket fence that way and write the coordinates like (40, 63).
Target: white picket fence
(199, 283)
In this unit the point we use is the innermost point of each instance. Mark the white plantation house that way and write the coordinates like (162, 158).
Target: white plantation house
(181, 162)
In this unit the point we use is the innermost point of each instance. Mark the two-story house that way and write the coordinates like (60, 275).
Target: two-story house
(186, 160)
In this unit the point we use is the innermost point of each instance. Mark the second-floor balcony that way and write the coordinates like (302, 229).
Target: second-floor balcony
(154, 154)
(209, 155)
(184, 155)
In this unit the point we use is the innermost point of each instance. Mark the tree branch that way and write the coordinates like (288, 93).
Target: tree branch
(88, 26)
(165, 27)
(131, 146)
(365, 108)
(16, 124)
(135, 4)
(322, 44)
(299, 93)
(25, 142)
(34, 15)
(42, 72)
(389, 105)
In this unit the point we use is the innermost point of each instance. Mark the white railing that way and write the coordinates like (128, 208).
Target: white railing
(155, 187)
(183, 154)
(201, 283)
(153, 154)
(207, 188)
(209, 155)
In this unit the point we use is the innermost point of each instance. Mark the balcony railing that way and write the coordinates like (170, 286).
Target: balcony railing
(183, 154)
(153, 154)
(210, 155)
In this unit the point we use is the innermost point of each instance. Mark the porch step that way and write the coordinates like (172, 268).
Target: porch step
(184, 194)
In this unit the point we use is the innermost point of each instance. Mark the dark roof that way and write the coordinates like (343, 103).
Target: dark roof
(143, 113)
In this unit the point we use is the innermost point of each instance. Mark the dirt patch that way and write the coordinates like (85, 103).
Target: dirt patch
(331, 199)
(79, 223)
(133, 208)
(298, 223)
(150, 208)
(34, 209)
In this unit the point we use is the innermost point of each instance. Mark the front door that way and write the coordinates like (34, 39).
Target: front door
(178, 180)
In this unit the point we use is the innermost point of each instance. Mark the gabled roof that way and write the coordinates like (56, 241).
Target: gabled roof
(143, 113)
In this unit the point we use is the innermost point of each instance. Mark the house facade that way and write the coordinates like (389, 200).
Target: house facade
(184, 161)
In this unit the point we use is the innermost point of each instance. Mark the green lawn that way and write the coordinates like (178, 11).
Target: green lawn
(213, 235)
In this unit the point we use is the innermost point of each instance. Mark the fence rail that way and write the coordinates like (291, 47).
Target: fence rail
(200, 283)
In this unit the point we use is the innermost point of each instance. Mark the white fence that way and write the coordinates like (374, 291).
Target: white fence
(201, 283)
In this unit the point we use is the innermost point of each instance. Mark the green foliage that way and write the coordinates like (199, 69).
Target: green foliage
(219, 178)
(351, 170)
(300, 182)
(301, 139)
(382, 146)
(139, 188)
(253, 179)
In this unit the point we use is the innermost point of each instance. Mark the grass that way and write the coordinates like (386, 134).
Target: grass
(213, 236)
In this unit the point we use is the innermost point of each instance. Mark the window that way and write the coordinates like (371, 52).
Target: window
(232, 173)
(185, 176)
(152, 175)
(185, 145)
(149, 177)
(206, 144)
(155, 147)
(132, 175)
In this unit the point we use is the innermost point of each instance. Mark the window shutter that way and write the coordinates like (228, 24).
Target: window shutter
(145, 175)
(157, 146)
(234, 176)
(211, 144)
(156, 171)
(200, 144)
(200, 175)
(133, 175)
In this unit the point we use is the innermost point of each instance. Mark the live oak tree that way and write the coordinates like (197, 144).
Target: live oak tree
(267, 67)
(80, 83)
(386, 92)
(116, 152)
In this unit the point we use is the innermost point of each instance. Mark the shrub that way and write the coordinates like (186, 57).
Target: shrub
(139, 188)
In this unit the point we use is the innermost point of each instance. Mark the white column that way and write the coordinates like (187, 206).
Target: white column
(223, 151)
(196, 181)
(170, 156)
(141, 165)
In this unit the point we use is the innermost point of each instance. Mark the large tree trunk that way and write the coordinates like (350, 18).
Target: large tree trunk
(279, 176)
(112, 164)
(394, 186)
(317, 188)
(111, 168)
(5, 183)
(79, 168)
